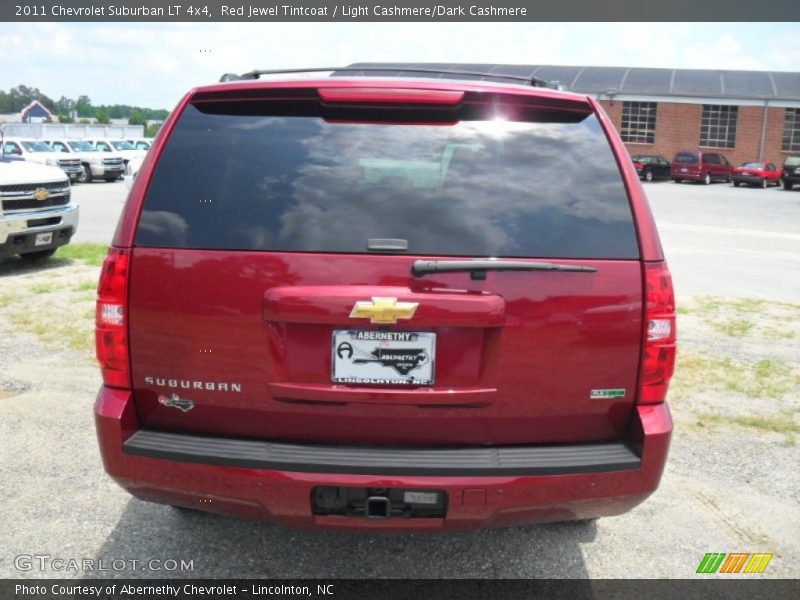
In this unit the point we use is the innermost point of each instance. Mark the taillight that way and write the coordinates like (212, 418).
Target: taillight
(658, 362)
(111, 330)
(637, 165)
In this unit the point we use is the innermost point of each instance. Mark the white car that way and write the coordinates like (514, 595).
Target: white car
(40, 152)
(120, 147)
(141, 143)
(96, 164)
(37, 213)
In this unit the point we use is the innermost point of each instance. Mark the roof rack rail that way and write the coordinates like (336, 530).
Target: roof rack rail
(529, 80)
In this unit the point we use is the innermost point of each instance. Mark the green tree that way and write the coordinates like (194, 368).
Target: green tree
(84, 122)
(65, 106)
(102, 116)
(84, 106)
(5, 103)
(152, 130)
(65, 119)
(137, 118)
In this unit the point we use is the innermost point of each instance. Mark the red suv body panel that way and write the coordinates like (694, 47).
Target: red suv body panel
(515, 353)
(474, 502)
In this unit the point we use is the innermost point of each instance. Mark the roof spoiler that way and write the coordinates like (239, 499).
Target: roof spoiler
(387, 71)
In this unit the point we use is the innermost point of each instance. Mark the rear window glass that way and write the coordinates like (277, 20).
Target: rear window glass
(686, 157)
(793, 161)
(473, 188)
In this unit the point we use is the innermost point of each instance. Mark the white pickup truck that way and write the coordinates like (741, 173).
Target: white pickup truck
(40, 152)
(96, 164)
(121, 148)
(37, 213)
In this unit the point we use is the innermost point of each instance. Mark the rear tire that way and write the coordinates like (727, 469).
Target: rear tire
(736, 183)
(87, 174)
(37, 257)
(764, 183)
(787, 186)
(648, 176)
(707, 179)
(677, 180)
(110, 179)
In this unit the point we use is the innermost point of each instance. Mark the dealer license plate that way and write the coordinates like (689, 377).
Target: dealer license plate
(383, 357)
(43, 239)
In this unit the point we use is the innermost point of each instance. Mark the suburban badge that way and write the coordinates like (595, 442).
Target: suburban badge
(383, 310)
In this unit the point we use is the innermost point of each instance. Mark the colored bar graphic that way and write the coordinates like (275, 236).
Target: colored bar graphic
(758, 562)
(713, 562)
(710, 562)
(734, 562)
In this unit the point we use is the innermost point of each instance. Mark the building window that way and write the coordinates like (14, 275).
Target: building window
(718, 126)
(791, 131)
(639, 122)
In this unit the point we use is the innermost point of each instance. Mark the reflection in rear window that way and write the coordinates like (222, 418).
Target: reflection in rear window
(474, 188)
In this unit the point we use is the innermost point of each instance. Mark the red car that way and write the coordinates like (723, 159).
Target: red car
(761, 174)
(380, 304)
(704, 167)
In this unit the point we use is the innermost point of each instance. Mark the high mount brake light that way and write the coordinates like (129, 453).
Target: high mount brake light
(391, 96)
(658, 359)
(111, 328)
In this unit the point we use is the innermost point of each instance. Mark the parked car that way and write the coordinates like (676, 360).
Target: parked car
(791, 172)
(39, 151)
(121, 148)
(650, 167)
(141, 143)
(704, 167)
(285, 335)
(37, 214)
(95, 164)
(757, 173)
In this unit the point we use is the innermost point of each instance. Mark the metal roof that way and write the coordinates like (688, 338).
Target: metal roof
(704, 83)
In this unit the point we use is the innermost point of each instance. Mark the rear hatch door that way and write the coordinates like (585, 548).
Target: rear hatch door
(273, 282)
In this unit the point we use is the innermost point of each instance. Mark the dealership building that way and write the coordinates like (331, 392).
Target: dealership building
(744, 115)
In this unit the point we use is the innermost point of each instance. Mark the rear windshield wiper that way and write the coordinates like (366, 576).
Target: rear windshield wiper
(478, 268)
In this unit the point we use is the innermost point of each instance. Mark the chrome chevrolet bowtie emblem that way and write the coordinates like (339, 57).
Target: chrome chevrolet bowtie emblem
(383, 310)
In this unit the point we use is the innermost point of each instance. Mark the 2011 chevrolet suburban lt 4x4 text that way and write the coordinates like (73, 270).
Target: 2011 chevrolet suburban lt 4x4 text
(379, 303)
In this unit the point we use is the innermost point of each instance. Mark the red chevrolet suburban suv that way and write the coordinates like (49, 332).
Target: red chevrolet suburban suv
(374, 302)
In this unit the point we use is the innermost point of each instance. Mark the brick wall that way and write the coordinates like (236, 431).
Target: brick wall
(678, 128)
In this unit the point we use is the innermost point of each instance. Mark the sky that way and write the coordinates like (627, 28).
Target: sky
(154, 64)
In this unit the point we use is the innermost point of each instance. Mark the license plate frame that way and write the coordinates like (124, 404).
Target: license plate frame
(43, 239)
(369, 357)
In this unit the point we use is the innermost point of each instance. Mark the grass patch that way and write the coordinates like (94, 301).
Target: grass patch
(44, 288)
(766, 378)
(743, 306)
(91, 253)
(783, 424)
(85, 286)
(75, 336)
(9, 299)
(775, 333)
(733, 327)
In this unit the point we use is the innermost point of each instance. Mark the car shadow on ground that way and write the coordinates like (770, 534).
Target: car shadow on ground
(14, 265)
(223, 547)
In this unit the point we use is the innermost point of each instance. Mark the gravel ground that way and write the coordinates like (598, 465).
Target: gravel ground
(727, 487)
